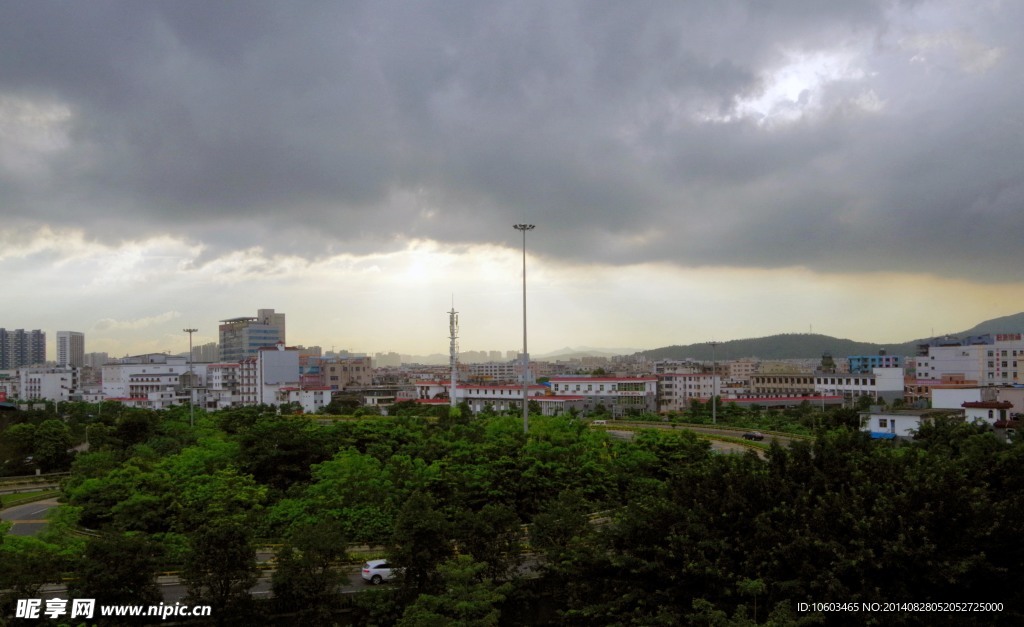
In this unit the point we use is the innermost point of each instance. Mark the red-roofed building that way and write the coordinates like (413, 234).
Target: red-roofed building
(988, 412)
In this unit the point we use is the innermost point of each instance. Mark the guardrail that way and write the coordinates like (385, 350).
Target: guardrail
(27, 487)
(42, 478)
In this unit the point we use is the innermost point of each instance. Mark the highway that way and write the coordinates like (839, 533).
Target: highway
(30, 518)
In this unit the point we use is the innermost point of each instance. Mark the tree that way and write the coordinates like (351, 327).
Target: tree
(492, 536)
(51, 446)
(420, 543)
(220, 568)
(26, 565)
(18, 443)
(343, 404)
(469, 598)
(307, 580)
(118, 569)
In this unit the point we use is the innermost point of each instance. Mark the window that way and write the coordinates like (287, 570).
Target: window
(883, 423)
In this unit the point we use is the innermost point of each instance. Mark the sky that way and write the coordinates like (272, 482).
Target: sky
(695, 170)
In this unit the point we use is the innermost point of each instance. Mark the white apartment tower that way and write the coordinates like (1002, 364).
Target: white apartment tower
(70, 349)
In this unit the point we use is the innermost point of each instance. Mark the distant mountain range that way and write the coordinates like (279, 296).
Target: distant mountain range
(568, 353)
(811, 346)
(563, 354)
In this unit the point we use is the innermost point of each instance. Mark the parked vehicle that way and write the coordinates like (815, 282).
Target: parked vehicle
(753, 435)
(377, 572)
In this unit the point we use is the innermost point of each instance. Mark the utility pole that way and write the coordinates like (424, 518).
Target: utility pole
(191, 382)
(526, 356)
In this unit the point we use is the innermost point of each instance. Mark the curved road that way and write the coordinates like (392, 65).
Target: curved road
(30, 518)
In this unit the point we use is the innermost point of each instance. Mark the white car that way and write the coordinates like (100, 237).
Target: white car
(378, 571)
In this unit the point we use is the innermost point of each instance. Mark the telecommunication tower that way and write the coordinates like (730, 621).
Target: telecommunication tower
(453, 353)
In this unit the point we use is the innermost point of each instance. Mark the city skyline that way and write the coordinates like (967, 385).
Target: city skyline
(694, 171)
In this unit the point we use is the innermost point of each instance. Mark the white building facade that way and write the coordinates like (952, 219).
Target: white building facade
(676, 391)
(70, 349)
(881, 383)
(620, 396)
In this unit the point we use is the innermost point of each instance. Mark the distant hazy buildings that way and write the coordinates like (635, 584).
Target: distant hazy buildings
(241, 338)
(20, 348)
(207, 353)
(95, 360)
(387, 360)
(70, 349)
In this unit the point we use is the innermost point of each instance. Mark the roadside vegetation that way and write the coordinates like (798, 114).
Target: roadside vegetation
(568, 525)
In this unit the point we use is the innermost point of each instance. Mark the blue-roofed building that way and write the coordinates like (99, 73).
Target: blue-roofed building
(865, 364)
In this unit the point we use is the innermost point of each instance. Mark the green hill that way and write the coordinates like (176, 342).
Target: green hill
(812, 345)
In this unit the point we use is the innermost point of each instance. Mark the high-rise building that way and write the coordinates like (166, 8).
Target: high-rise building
(70, 349)
(243, 337)
(272, 319)
(22, 348)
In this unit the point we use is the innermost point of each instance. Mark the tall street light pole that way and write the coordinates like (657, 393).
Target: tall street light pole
(191, 384)
(526, 356)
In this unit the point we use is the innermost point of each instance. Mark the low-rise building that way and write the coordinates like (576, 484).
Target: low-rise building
(52, 384)
(779, 384)
(312, 399)
(882, 383)
(620, 396)
(677, 390)
(901, 423)
(497, 396)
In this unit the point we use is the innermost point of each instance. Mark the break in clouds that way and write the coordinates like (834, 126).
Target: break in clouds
(853, 136)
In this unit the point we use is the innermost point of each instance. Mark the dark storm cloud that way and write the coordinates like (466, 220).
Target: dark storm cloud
(315, 127)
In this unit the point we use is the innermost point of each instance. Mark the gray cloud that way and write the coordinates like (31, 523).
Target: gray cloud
(625, 130)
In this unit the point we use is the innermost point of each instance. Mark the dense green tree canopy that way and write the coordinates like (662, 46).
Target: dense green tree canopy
(650, 528)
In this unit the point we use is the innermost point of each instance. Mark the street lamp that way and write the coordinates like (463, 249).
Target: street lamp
(191, 385)
(526, 356)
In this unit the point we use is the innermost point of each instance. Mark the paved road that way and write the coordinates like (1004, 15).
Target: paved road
(713, 431)
(174, 591)
(30, 518)
(716, 445)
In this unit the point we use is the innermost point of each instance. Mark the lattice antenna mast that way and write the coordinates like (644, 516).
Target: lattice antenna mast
(453, 357)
